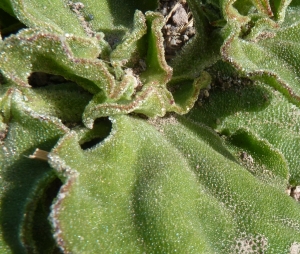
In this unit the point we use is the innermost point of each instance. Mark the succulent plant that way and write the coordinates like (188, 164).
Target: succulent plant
(150, 127)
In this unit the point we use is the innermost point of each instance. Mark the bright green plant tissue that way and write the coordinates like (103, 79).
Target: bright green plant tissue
(108, 147)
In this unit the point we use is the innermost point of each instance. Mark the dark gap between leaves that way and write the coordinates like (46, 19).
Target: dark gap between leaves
(91, 143)
(101, 130)
(41, 228)
(9, 25)
(39, 79)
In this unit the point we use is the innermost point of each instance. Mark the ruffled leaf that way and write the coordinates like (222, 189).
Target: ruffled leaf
(75, 59)
(125, 51)
(51, 16)
(21, 176)
(269, 55)
(260, 110)
(158, 186)
(114, 17)
(172, 187)
(154, 98)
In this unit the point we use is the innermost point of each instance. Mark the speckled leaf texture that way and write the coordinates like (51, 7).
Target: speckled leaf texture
(187, 194)
(261, 112)
(270, 53)
(107, 147)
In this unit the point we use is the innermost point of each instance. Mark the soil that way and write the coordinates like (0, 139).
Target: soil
(177, 31)
(179, 25)
(294, 192)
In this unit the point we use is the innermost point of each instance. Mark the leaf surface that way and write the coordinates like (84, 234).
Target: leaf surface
(51, 16)
(165, 186)
(260, 110)
(115, 17)
(271, 55)
(22, 132)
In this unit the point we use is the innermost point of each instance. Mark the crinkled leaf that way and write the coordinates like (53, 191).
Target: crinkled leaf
(271, 55)
(114, 17)
(72, 57)
(172, 187)
(162, 186)
(25, 130)
(29, 120)
(52, 16)
(115, 92)
(128, 49)
(154, 98)
(259, 110)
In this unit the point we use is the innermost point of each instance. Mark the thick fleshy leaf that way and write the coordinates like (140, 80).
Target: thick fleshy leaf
(52, 16)
(72, 57)
(260, 110)
(271, 55)
(165, 188)
(20, 175)
(154, 98)
(115, 17)
(202, 50)
(159, 185)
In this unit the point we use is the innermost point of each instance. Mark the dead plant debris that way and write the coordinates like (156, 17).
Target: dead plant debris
(294, 192)
(179, 25)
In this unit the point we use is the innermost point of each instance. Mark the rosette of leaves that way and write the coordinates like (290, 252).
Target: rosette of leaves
(119, 167)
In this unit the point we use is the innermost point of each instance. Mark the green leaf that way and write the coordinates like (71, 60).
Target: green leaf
(270, 56)
(154, 98)
(65, 101)
(261, 110)
(260, 158)
(263, 6)
(172, 187)
(161, 185)
(51, 16)
(128, 50)
(75, 59)
(114, 17)
(20, 176)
